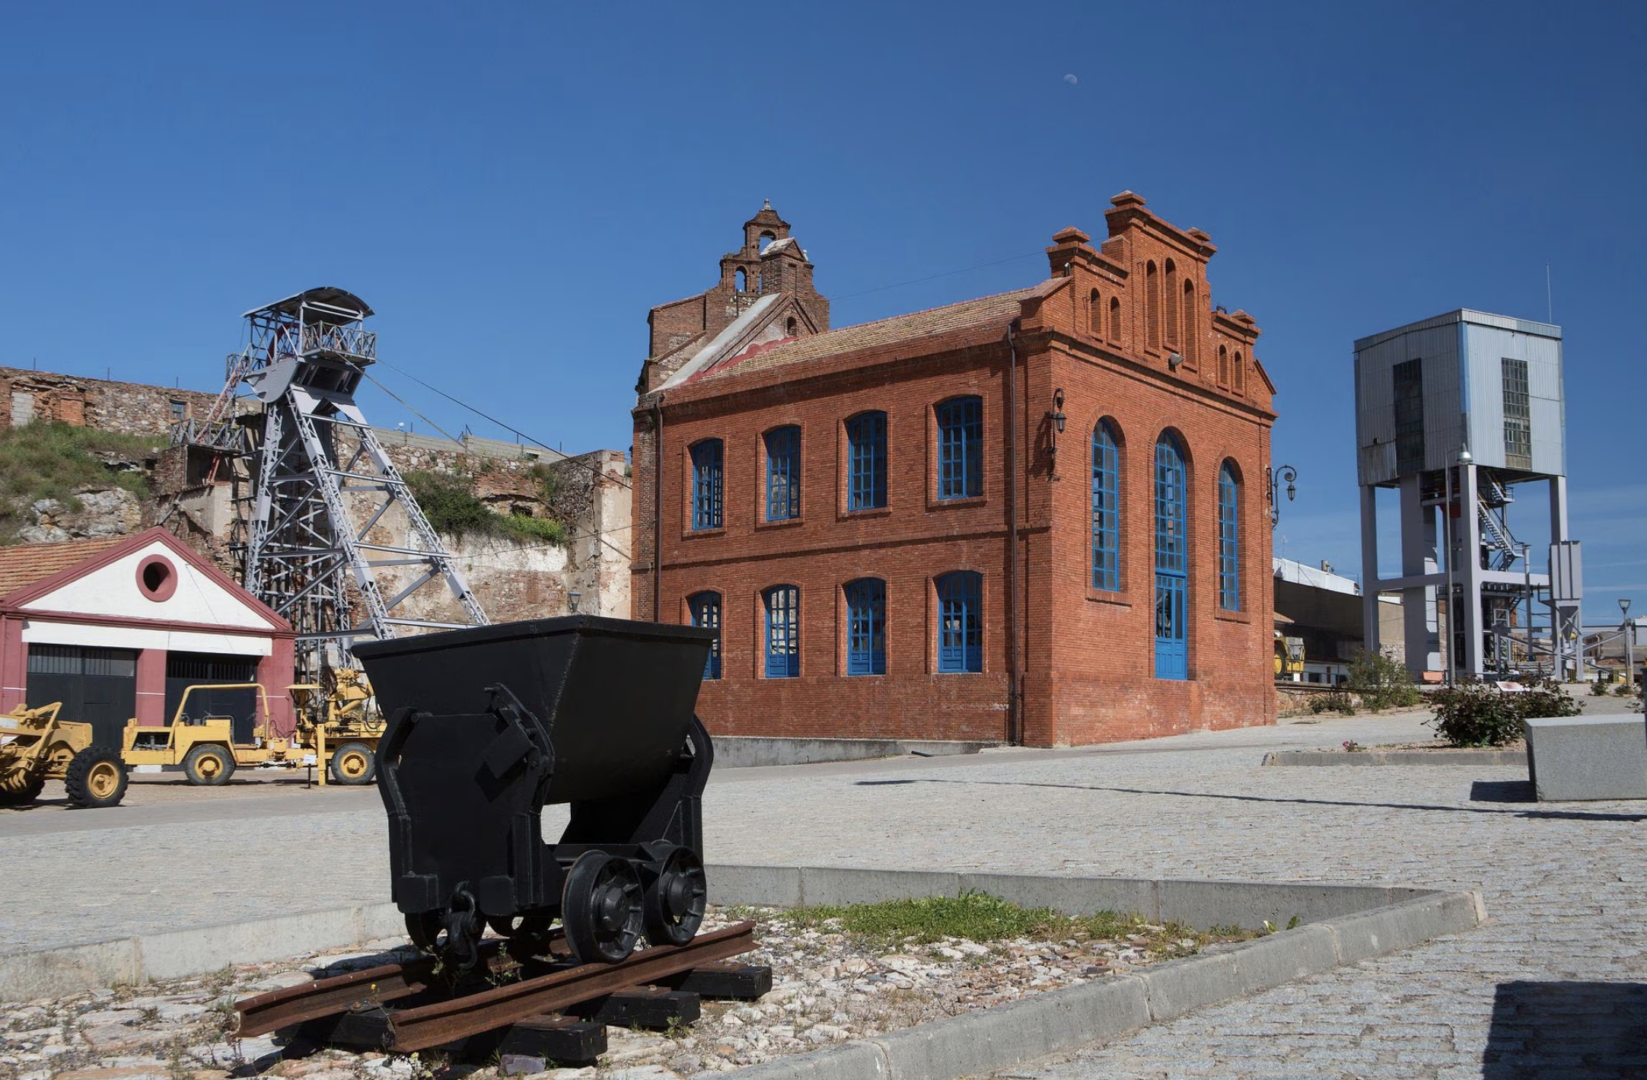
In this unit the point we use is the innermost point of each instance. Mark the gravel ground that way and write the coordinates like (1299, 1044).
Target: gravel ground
(827, 987)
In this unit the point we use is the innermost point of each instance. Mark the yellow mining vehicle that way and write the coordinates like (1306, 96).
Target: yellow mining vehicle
(343, 715)
(35, 746)
(204, 744)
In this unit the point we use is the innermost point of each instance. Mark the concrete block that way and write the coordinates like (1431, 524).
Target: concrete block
(374, 921)
(1401, 926)
(1578, 758)
(206, 948)
(1283, 957)
(768, 886)
(1247, 904)
(1071, 896)
(847, 1061)
(1180, 986)
(839, 885)
(70, 970)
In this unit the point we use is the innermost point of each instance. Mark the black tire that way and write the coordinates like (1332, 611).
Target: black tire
(345, 767)
(676, 897)
(601, 908)
(96, 778)
(22, 790)
(426, 930)
(209, 765)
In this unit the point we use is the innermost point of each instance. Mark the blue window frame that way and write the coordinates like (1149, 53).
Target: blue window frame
(783, 473)
(1106, 509)
(1229, 540)
(706, 484)
(1171, 562)
(961, 448)
(866, 627)
(706, 612)
(866, 461)
(783, 631)
(960, 622)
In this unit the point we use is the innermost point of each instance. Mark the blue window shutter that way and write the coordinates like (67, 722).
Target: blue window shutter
(1106, 504)
(706, 612)
(961, 448)
(866, 627)
(866, 443)
(1171, 562)
(783, 473)
(706, 484)
(960, 622)
(1229, 541)
(783, 642)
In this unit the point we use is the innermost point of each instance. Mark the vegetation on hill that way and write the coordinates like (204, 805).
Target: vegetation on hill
(452, 507)
(53, 461)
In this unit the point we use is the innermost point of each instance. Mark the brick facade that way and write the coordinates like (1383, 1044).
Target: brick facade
(1126, 331)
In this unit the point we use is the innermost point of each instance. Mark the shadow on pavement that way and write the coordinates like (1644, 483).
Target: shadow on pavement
(1558, 815)
(1503, 791)
(1546, 1029)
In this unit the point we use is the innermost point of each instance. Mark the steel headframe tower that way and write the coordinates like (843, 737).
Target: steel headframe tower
(1456, 412)
(316, 465)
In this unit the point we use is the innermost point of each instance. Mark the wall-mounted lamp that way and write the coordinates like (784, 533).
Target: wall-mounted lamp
(1058, 419)
(572, 599)
(1289, 475)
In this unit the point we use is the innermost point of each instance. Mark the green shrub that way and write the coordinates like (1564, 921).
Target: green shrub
(1382, 682)
(53, 461)
(453, 509)
(1336, 701)
(1599, 688)
(1480, 714)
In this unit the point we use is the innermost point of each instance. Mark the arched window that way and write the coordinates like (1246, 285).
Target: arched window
(792, 327)
(1229, 539)
(1223, 366)
(1106, 509)
(1172, 303)
(1152, 306)
(706, 612)
(742, 280)
(783, 473)
(1188, 312)
(765, 241)
(961, 448)
(1115, 318)
(1095, 315)
(866, 461)
(960, 622)
(1240, 373)
(866, 627)
(706, 484)
(783, 631)
(1171, 561)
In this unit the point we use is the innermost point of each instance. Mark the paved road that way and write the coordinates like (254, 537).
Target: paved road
(1564, 884)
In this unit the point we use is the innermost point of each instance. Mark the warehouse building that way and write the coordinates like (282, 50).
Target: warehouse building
(1036, 517)
(118, 627)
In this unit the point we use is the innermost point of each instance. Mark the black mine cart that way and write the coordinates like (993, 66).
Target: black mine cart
(489, 725)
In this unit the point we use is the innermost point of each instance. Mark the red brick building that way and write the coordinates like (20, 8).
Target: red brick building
(1036, 517)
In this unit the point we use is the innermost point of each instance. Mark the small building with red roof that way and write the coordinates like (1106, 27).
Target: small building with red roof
(118, 627)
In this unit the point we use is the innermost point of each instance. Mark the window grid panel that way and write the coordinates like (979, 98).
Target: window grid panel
(866, 627)
(783, 632)
(706, 613)
(783, 474)
(866, 440)
(1106, 518)
(1518, 429)
(1408, 380)
(961, 448)
(1171, 561)
(706, 485)
(960, 622)
(1229, 543)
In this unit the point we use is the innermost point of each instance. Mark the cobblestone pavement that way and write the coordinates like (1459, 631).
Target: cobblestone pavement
(1556, 973)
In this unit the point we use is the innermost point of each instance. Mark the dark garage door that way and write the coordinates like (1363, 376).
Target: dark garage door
(186, 669)
(96, 686)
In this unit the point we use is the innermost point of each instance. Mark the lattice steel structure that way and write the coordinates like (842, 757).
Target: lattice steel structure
(321, 482)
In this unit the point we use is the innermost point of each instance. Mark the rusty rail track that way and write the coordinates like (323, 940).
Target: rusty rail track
(460, 1012)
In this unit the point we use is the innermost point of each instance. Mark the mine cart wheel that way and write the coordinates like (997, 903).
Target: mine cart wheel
(601, 908)
(96, 778)
(426, 930)
(675, 899)
(208, 765)
(520, 926)
(354, 763)
(21, 789)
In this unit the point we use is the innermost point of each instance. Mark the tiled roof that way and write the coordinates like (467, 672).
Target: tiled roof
(25, 564)
(934, 322)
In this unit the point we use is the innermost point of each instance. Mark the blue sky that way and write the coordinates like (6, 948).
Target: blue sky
(513, 185)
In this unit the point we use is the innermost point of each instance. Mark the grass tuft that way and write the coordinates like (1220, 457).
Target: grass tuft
(53, 461)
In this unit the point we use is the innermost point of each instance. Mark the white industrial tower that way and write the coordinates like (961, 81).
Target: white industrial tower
(1457, 413)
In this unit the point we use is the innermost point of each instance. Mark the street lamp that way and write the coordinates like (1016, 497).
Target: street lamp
(1629, 629)
(572, 598)
(1290, 476)
(1057, 418)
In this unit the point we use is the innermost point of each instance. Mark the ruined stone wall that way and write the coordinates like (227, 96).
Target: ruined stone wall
(123, 407)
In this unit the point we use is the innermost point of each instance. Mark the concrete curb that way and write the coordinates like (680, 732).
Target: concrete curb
(748, 751)
(1340, 924)
(1512, 758)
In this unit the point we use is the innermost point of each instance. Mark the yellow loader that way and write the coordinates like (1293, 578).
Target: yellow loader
(340, 723)
(35, 746)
